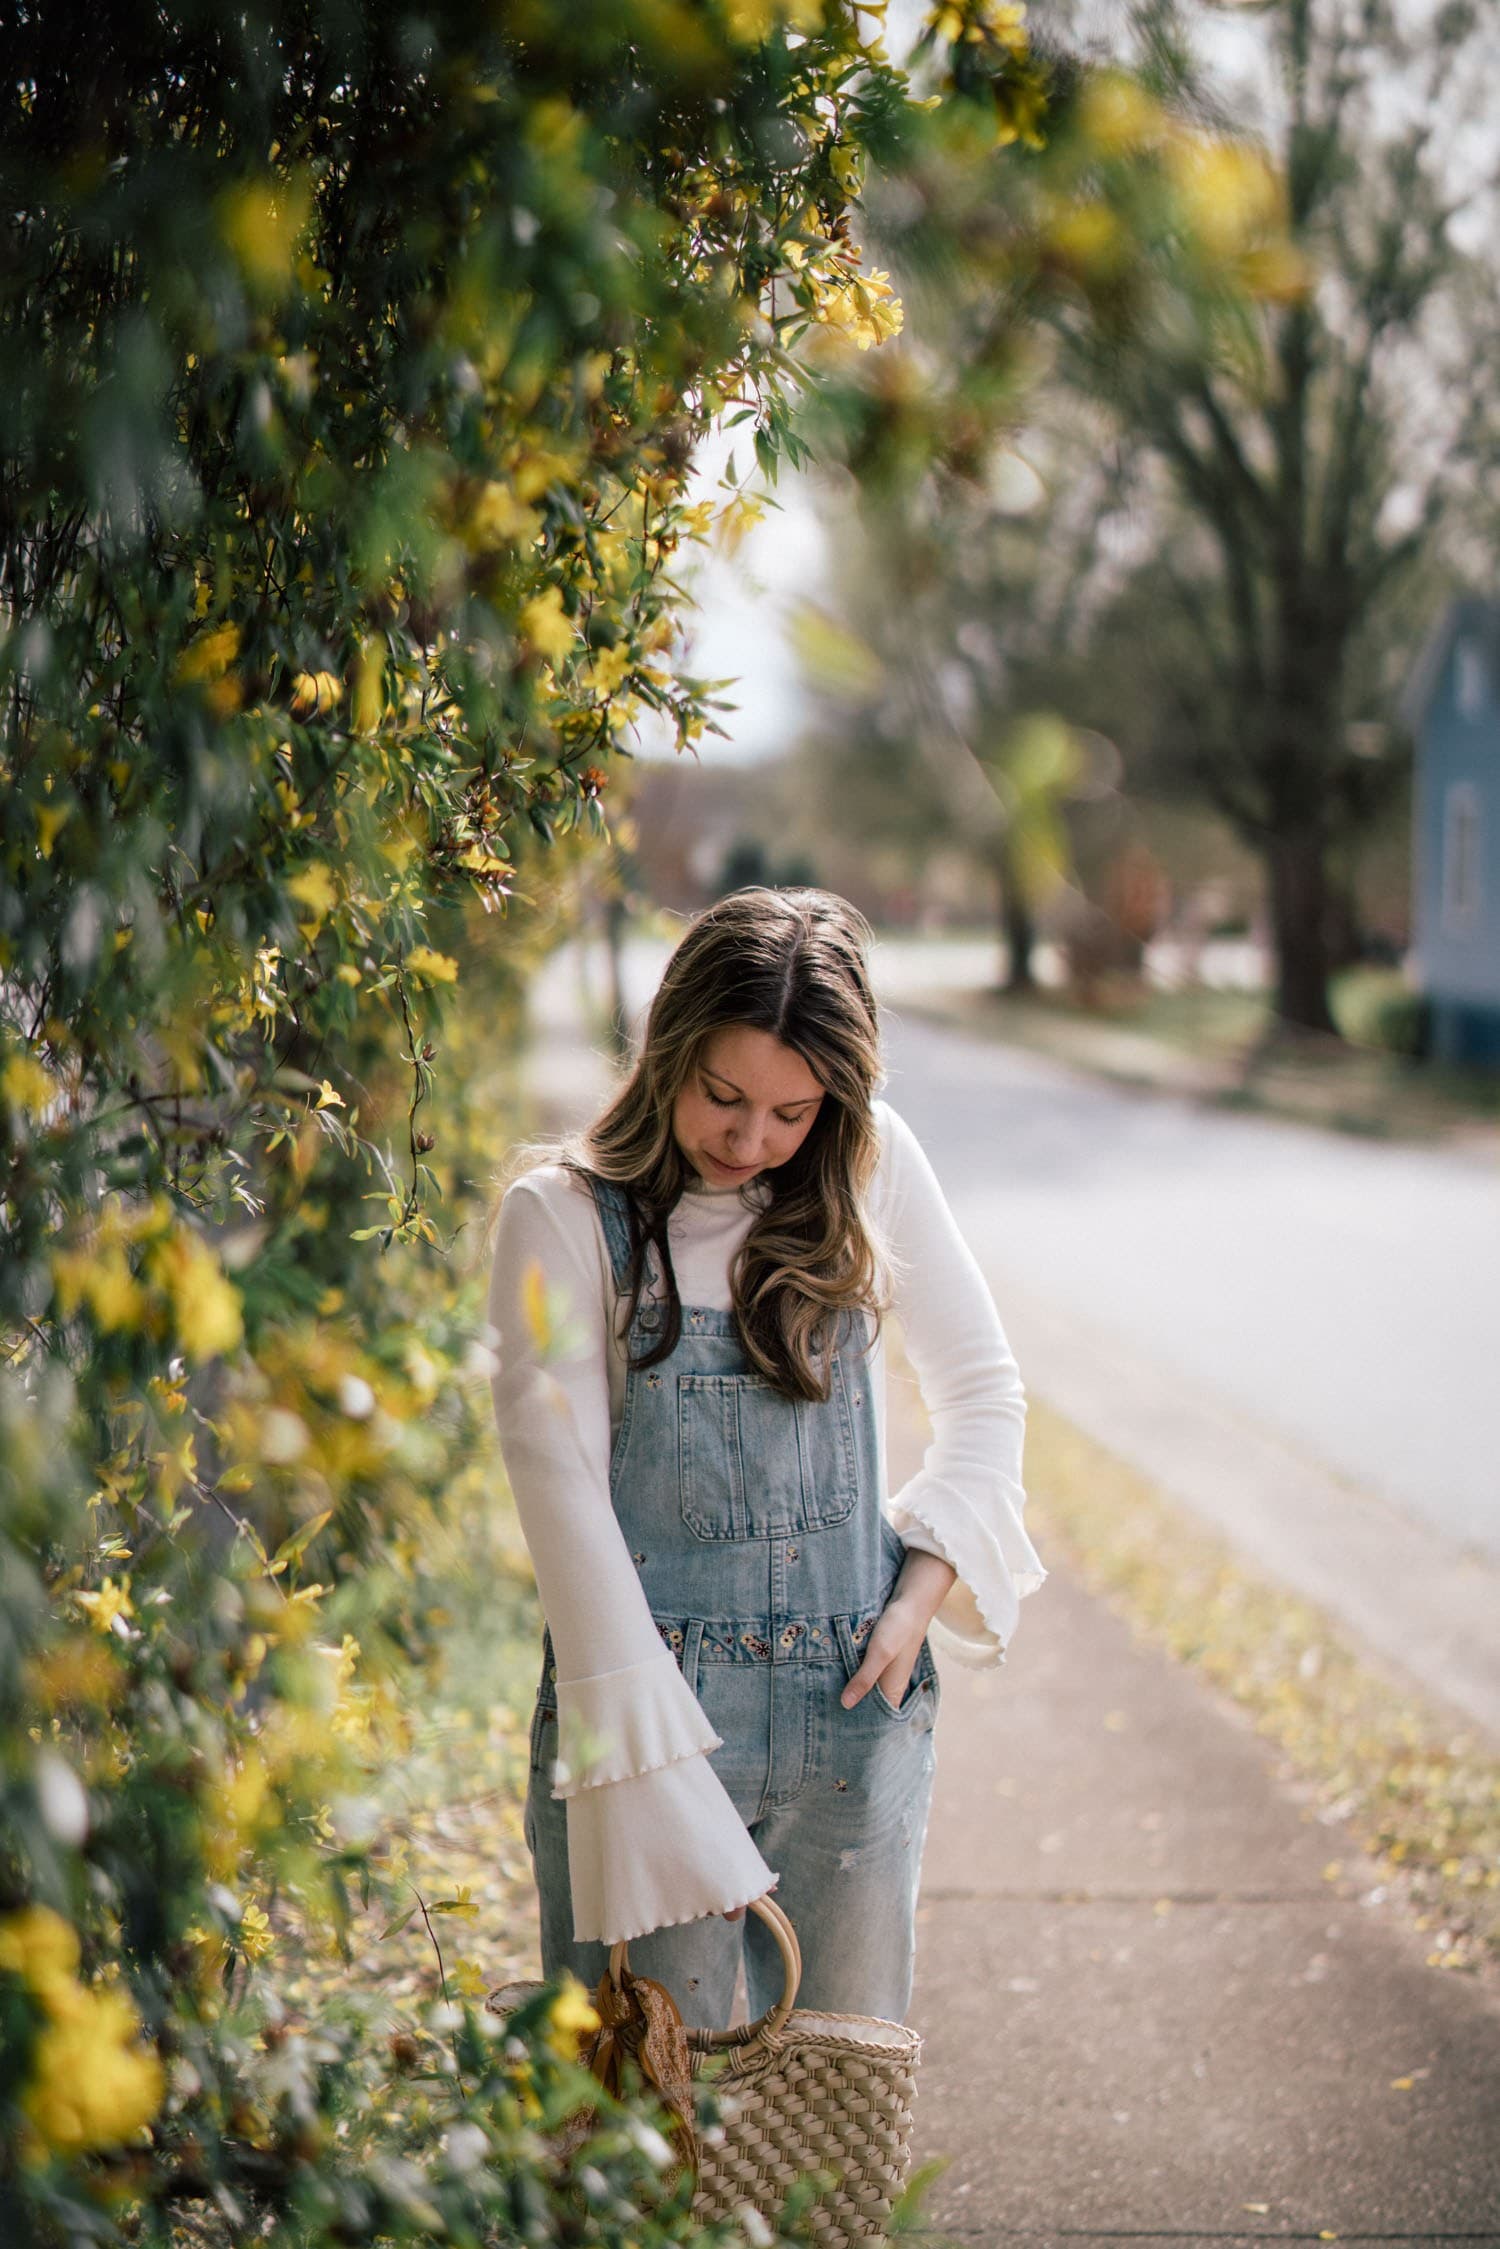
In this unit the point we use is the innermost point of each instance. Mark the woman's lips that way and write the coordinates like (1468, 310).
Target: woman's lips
(735, 1171)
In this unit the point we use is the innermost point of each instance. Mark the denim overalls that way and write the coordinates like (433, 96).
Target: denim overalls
(755, 1526)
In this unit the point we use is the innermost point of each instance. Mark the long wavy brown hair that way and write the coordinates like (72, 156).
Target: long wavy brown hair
(792, 962)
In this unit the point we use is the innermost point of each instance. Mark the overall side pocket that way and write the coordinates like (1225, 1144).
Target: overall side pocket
(921, 1687)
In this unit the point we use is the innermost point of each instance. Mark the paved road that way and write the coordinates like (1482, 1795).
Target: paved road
(1345, 1295)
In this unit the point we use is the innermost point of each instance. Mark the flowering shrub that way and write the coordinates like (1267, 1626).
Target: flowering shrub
(354, 360)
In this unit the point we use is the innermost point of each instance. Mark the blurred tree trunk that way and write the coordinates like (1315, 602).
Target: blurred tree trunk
(616, 920)
(1018, 926)
(1299, 896)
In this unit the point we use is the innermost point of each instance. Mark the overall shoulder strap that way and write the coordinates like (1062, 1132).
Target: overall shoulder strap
(609, 1196)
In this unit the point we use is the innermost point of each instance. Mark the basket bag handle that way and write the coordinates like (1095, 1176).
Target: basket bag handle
(763, 2031)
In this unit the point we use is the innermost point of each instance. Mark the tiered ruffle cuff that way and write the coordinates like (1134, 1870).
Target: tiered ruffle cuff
(653, 1836)
(665, 1847)
(619, 1724)
(997, 1564)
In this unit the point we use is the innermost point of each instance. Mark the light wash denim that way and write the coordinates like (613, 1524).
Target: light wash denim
(755, 1526)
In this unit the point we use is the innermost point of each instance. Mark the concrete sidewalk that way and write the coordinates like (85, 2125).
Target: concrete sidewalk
(1145, 2007)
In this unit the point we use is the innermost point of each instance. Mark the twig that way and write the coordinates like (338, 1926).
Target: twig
(442, 1979)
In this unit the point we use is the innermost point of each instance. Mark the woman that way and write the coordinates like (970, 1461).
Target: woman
(738, 1690)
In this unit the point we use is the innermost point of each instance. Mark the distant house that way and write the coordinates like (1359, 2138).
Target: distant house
(1452, 707)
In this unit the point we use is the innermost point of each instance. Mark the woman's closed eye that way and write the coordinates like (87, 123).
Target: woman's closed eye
(721, 1104)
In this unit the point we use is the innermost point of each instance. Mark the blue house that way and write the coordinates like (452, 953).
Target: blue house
(1452, 707)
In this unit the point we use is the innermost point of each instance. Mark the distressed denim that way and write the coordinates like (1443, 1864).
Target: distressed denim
(755, 1526)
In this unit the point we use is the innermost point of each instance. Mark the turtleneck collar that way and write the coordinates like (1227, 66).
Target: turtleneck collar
(698, 1186)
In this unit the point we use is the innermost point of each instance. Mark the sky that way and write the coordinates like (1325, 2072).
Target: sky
(738, 628)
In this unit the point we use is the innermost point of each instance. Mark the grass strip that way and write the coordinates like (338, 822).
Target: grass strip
(1413, 1789)
(1209, 1046)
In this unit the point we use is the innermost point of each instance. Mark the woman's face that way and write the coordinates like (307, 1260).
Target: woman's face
(748, 1105)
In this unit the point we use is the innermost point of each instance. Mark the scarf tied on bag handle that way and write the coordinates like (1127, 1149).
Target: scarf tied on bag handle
(640, 2020)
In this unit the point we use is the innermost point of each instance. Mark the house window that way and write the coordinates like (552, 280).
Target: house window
(1471, 678)
(1461, 862)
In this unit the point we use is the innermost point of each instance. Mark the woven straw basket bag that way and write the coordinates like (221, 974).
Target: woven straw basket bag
(798, 2091)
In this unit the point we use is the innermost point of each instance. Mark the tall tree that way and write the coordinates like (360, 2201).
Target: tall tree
(1054, 214)
(1315, 453)
(1260, 242)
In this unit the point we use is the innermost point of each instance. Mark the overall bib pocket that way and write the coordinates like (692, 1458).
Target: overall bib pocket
(754, 1464)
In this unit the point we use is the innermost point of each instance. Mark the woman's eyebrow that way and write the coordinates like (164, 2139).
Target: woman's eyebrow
(802, 1104)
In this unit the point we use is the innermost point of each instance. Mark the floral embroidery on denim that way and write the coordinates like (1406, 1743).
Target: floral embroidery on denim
(862, 1630)
(653, 1381)
(756, 1645)
(791, 1634)
(638, 1557)
(673, 1635)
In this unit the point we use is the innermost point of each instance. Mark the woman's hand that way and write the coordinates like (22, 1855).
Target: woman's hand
(737, 1912)
(896, 1638)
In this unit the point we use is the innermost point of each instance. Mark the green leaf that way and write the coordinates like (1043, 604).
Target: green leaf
(291, 1549)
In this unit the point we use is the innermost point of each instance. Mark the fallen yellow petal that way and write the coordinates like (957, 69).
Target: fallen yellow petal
(534, 1303)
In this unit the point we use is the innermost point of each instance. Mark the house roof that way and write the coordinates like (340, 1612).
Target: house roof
(1468, 617)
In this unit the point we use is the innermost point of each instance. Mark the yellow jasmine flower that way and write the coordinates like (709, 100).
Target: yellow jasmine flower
(39, 1946)
(1229, 193)
(210, 655)
(571, 2018)
(546, 625)
(1116, 113)
(26, 1085)
(315, 694)
(255, 1938)
(499, 519)
(315, 889)
(1020, 105)
(432, 967)
(90, 2087)
(205, 1306)
(610, 665)
(107, 1603)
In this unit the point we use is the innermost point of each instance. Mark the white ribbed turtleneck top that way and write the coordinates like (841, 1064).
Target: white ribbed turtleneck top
(653, 1838)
